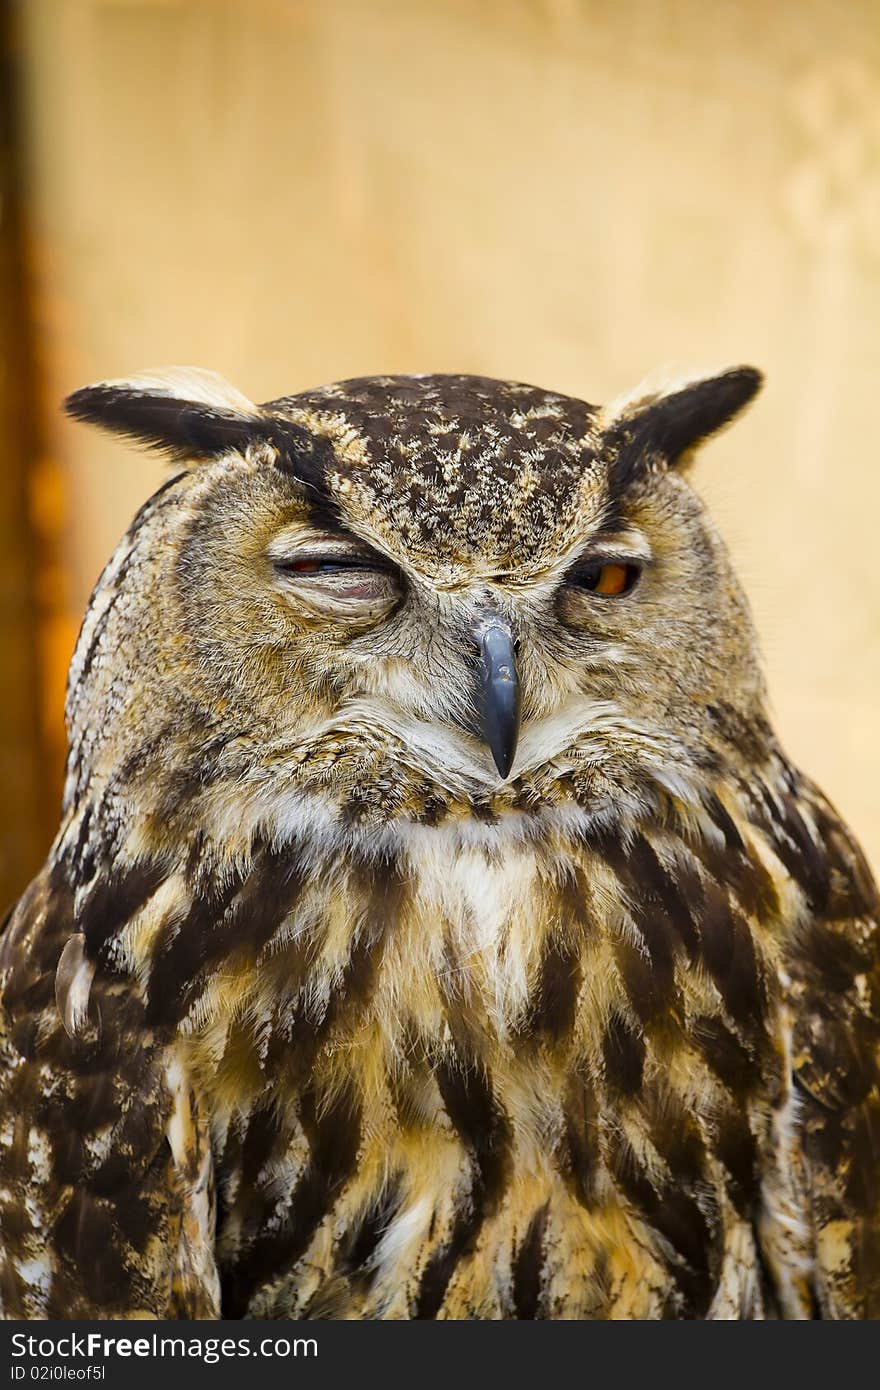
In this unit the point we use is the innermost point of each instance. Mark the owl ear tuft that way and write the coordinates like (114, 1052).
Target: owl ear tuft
(666, 428)
(183, 412)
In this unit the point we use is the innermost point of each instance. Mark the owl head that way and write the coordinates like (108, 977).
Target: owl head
(421, 589)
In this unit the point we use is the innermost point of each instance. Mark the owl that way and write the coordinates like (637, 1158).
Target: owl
(436, 928)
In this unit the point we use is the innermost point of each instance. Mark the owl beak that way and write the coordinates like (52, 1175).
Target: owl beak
(498, 692)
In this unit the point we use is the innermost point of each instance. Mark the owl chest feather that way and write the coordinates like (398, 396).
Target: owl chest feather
(500, 1081)
(481, 1071)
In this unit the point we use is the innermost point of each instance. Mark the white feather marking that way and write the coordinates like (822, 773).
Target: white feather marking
(784, 1228)
(736, 1296)
(188, 384)
(73, 985)
(180, 1123)
(402, 1234)
(35, 1273)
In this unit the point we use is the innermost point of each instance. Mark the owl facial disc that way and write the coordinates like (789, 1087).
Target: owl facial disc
(499, 699)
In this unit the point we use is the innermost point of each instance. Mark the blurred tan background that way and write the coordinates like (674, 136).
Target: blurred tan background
(570, 192)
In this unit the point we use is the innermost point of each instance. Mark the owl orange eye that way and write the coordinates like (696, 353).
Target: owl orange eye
(611, 579)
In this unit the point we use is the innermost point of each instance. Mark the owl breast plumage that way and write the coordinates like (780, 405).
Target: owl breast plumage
(435, 927)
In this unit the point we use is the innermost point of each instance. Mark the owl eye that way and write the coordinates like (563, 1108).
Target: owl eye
(611, 579)
(335, 565)
(341, 581)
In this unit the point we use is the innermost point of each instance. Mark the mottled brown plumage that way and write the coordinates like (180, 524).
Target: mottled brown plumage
(313, 1012)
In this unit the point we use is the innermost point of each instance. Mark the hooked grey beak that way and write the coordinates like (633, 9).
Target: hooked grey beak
(498, 702)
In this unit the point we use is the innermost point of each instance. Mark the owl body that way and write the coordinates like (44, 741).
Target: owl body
(435, 928)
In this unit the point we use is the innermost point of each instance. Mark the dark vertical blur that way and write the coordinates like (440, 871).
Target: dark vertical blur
(24, 796)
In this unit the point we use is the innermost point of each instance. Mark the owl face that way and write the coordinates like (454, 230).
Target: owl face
(486, 574)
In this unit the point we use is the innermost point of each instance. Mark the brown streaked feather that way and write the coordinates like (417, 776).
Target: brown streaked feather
(834, 961)
(103, 1193)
